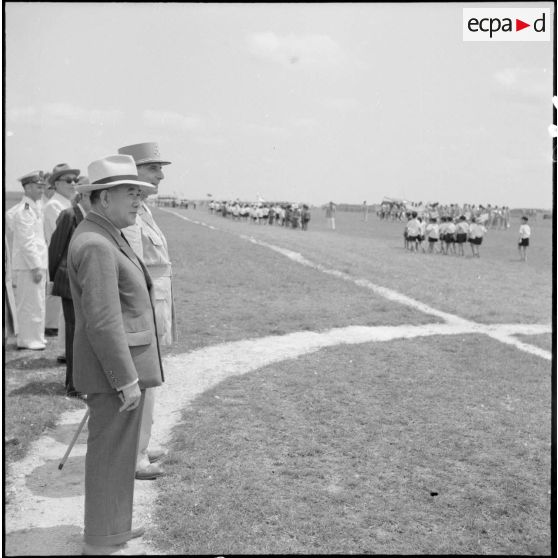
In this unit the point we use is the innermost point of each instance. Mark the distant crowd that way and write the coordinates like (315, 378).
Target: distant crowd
(493, 217)
(291, 215)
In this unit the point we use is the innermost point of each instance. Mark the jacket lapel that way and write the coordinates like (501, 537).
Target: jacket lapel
(115, 235)
(79, 214)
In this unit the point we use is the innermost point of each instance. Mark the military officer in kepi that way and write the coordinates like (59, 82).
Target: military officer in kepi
(29, 264)
(150, 244)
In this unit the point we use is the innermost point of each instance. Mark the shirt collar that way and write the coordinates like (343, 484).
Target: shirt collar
(61, 199)
(27, 199)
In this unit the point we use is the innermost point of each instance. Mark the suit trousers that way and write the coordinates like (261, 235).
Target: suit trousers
(30, 308)
(163, 319)
(145, 429)
(69, 328)
(61, 331)
(163, 309)
(110, 465)
(53, 309)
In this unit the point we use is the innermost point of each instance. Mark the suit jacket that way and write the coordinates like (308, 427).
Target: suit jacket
(66, 224)
(115, 340)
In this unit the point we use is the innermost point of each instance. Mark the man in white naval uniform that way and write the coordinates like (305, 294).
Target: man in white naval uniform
(150, 244)
(29, 264)
(63, 180)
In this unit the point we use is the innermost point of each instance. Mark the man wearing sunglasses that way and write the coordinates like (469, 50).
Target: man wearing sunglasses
(63, 179)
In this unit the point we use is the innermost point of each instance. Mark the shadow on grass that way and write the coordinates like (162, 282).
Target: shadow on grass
(30, 363)
(64, 433)
(50, 482)
(40, 388)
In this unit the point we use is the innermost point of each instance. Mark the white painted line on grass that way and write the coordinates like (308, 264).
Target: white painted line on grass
(390, 294)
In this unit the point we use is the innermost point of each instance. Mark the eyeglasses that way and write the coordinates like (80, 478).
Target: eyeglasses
(69, 180)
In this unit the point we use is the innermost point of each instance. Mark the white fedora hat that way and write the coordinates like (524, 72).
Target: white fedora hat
(111, 171)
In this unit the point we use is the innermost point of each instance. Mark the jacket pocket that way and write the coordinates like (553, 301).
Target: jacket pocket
(136, 338)
(154, 237)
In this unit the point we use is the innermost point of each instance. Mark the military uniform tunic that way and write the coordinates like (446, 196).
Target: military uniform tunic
(29, 253)
(150, 244)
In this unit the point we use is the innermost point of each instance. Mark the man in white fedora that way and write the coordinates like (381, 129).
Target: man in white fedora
(150, 244)
(63, 181)
(29, 264)
(116, 350)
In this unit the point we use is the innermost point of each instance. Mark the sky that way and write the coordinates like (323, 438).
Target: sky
(299, 102)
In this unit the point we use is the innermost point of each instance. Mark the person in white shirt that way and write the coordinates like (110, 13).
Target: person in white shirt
(476, 233)
(422, 232)
(432, 233)
(524, 236)
(442, 230)
(330, 214)
(63, 180)
(413, 232)
(451, 230)
(461, 232)
(29, 264)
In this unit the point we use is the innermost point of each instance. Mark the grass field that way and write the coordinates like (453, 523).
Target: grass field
(349, 452)
(437, 444)
(342, 451)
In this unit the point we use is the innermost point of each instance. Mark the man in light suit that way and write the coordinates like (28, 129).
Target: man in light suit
(149, 243)
(116, 351)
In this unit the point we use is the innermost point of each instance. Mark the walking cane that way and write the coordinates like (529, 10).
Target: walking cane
(72, 443)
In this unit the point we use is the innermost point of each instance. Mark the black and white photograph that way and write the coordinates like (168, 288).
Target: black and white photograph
(279, 278)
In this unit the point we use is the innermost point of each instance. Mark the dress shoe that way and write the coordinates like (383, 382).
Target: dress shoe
(151, 472)
(75, 394)
(156, 455)
(137, 532)
(51, 331)
(112, 550)
(32, 347)
(61, 359)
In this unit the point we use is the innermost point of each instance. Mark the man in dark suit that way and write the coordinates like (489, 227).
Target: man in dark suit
(116, 351)
(66, 224)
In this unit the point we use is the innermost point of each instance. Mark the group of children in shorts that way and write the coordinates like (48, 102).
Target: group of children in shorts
(450, 235)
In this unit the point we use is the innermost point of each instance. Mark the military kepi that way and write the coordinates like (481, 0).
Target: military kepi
(144, 153)
(36, 176)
